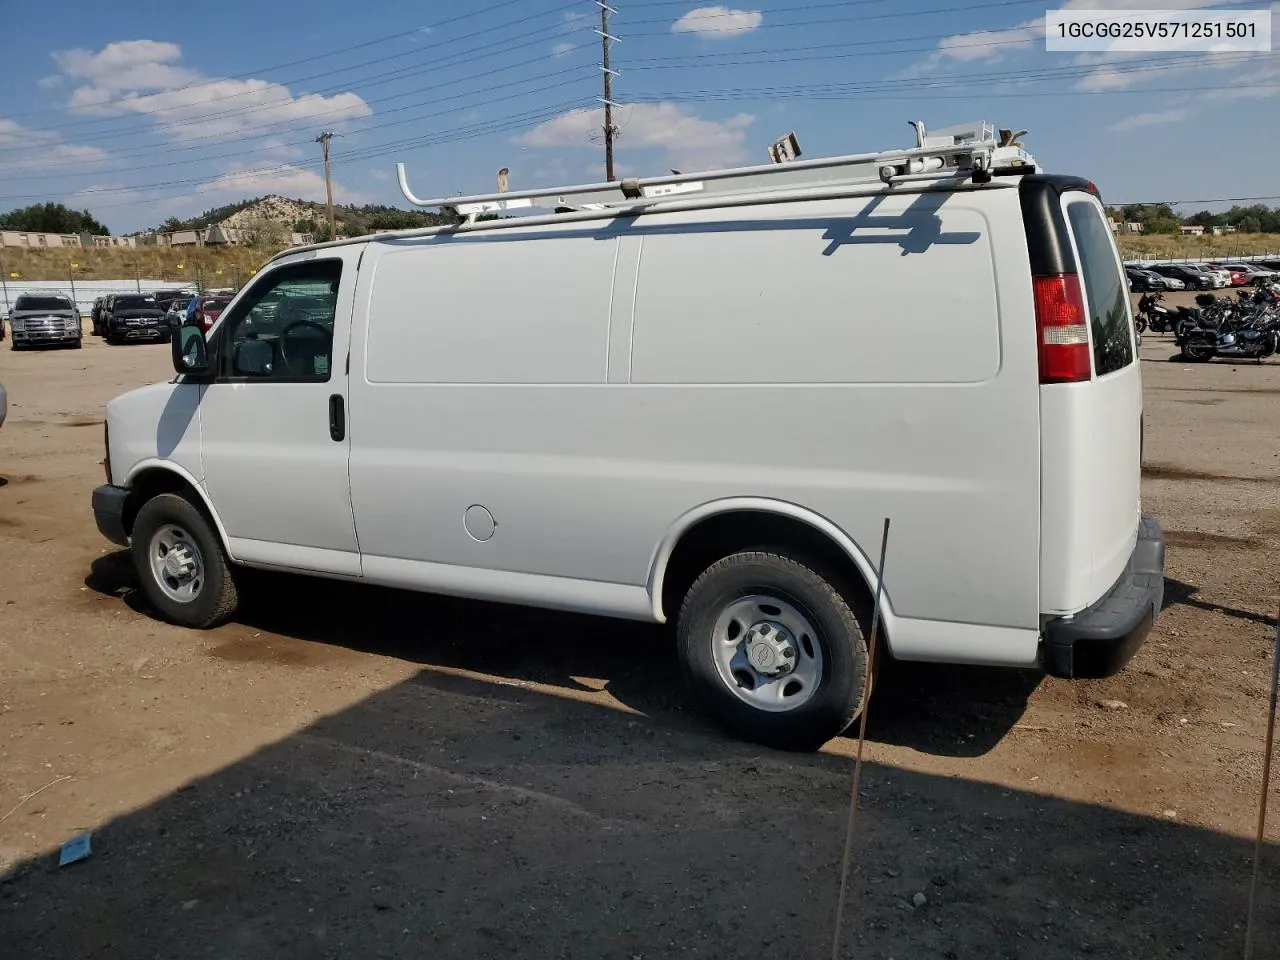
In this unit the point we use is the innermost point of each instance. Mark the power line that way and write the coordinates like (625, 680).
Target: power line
(576, 72)
(482, 128)
(450, 60)
(253, 74)
(1144, 65)
(827, 21)
(457, 135)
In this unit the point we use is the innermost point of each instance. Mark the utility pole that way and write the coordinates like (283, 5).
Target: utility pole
(323, 140)
(609, 129)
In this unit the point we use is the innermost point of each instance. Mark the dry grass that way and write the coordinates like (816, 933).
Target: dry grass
(1198, 248)
(209, 266)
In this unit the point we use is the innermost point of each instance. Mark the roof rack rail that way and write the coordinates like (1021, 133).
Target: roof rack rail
(959, 153)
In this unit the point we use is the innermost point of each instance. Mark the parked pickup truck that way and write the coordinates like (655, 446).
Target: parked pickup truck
(44, 319)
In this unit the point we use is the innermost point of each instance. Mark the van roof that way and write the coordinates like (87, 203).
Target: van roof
(963, 157)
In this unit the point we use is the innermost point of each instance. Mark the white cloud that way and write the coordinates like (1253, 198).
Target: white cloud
(987, 44)
(688, 141)
(30, 149)
(49, 82)
(278, 147)
(1151, 119)
(560, 49)
(145, 77)
(379, 174)
(286, 180)
(995, 44)
(718, 22)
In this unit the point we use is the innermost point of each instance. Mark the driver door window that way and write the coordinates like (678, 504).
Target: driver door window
(283, 331)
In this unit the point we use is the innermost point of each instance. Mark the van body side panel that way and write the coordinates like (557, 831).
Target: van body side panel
(480, 426)
(862, 358)
(787, 351)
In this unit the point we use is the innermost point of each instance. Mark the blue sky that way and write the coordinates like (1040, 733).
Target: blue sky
(140, 111)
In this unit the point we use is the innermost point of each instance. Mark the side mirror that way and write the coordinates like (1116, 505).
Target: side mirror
(190, 352)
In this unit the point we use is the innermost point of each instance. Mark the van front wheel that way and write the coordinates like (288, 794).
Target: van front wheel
(180, 561)
(773, 650)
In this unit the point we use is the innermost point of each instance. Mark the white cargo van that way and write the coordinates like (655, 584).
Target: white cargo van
(689, 400)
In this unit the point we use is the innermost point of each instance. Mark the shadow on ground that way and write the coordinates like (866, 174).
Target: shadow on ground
(943, 710)
(453, 818)
(1177, 593)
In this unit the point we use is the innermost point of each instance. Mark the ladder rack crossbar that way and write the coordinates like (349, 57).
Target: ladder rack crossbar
(973, 151)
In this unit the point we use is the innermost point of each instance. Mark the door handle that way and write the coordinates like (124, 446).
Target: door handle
(337, 418)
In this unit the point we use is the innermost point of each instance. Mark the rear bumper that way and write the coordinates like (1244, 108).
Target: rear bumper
(1099, 640)
(108, 512)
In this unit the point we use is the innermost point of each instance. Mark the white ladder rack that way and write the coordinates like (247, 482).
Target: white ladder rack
(969, 151)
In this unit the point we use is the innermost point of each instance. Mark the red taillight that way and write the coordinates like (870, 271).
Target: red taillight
(1061, 329)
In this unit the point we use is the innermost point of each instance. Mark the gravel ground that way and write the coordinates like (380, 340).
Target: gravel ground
(354, 772)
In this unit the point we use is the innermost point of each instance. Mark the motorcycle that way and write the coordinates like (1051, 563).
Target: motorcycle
(1251, 335)
(1154, 315)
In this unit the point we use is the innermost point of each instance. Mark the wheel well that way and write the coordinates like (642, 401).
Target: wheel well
(719, 536)
(151, 483)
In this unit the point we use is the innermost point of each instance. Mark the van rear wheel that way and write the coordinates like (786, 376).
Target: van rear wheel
(181, 563)
(773, 650)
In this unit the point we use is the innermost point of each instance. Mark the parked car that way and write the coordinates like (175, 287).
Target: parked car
(1257, 275)
(1223, 277)
(167, 297)
(1191, 277)
(98, 314)
(135, 316)
(1237, 277)
(44, 318)
(208, 309)
(1144, 280)
(590, 436)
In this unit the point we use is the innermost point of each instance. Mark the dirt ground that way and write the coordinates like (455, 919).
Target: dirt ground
(354, 772)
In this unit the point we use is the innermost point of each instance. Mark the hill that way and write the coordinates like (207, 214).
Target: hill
(305, 216)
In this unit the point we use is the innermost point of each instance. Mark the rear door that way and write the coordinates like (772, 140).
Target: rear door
(1091, 431)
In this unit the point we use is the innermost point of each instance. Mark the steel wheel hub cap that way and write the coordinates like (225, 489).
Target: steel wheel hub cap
(767, 653)
(176, 563)
(771, 649)
(179, 563)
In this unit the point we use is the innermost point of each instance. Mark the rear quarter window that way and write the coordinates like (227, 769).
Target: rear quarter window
(1104, 288)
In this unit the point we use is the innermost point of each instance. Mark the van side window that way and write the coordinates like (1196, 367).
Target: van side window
(1105, 289)
(283, 330)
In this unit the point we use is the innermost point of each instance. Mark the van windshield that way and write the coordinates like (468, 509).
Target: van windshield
(1104, 289)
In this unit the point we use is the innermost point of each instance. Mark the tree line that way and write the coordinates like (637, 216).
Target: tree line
(1160, 218)
(52, 218)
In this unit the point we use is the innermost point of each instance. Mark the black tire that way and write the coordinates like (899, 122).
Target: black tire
(218, 596)
(1198, 352)
(1140, 324)
(77, 345)
(802, 584)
